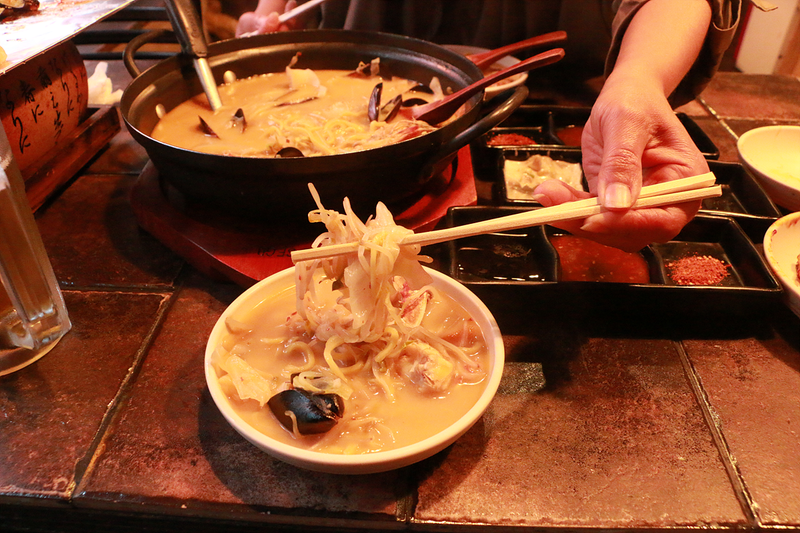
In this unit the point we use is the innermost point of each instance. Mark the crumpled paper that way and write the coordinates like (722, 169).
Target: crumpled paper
(101, 91)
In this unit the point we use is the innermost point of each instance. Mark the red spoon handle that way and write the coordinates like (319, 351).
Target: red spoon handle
(441, 110)
(484, 59)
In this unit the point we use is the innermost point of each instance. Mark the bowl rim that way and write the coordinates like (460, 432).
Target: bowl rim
(507, 61)
(743, 139)
(371, 462)
(791, 218)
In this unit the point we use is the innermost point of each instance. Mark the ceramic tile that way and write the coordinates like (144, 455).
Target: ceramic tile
(123, 155)
(51, 410)
(172, 451)
(93, 239)
(752, 379)
(694, 109)
(614, 439)
(755, 96)
(741, 126)
(720, 136)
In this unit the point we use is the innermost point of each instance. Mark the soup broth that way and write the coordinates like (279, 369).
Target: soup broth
(320, 112)
(376, 417)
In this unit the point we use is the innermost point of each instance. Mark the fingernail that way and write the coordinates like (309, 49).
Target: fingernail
(591, 225)
(539, 197)
(617, 195)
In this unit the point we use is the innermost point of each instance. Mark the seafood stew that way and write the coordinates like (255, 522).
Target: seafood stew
(323, 112)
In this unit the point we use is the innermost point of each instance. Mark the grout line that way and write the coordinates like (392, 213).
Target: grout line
(719, 119)
(407, 496)
(85, 465)
(749, 507)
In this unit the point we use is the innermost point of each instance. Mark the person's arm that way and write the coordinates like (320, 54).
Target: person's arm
(633, 136)
(658, 49)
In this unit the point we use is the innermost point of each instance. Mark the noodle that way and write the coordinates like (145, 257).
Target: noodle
(367, 328)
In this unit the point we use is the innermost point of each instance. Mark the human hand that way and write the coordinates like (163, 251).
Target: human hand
(265, 18)
(632, 138)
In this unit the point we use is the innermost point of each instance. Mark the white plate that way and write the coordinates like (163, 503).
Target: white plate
(772, 154)
(781, 248)
(505, 62)
(372, 462)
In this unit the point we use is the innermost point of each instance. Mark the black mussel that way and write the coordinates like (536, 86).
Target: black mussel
(313, 413)
(205, 128)
(390, 109)
(373, 108)
(239, 120)
(420, 88)
(411, 102)
(289, 152)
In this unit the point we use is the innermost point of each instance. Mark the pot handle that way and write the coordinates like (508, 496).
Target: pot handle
(483, 125)
(133, 46)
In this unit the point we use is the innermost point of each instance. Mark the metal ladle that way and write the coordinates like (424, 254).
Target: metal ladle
(186, 24)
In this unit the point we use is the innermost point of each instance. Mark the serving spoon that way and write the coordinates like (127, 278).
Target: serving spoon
(484, 59)
(440, 110)
(186, 24)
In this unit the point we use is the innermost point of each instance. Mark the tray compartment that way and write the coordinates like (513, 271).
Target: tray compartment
(519, 256)
(510, 291)
(742, 195)
(552, 120)
(501, 189)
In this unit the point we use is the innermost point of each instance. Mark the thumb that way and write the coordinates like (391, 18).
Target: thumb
(619, 178)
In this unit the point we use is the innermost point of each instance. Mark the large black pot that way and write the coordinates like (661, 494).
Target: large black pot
(271, 189)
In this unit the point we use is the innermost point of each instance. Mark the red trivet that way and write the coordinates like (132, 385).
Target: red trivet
(245, 252)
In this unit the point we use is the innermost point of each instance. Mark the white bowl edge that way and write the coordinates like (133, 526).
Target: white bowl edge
(760, 148)
(781, 249)
(372, 462)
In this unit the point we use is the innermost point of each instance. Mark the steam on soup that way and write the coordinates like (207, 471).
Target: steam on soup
(361, 355)
(322, 112)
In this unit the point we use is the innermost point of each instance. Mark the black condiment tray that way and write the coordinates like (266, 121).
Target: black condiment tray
(519, 271)
(742, 195)
(542, 124)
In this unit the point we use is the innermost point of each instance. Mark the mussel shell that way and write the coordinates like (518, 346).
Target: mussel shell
(290, 151)
(315, 413)
(373, 107)
(390, 109)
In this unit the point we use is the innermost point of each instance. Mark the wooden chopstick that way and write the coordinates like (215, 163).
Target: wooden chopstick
(668, 193)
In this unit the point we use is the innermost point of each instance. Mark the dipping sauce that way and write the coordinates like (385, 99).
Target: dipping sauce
(586, 260)
(571, 135)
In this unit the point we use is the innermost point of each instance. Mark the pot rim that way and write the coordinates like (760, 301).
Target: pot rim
(220, 56)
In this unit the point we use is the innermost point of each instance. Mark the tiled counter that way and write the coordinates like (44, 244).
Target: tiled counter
(604, 421)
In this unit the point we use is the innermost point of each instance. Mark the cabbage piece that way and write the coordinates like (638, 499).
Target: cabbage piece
(250, 384)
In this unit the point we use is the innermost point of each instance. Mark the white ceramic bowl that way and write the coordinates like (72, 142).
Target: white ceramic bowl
(772, 154)
(365, 463)
(505, 62)
(782, 248)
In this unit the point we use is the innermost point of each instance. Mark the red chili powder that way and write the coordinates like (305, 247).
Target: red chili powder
(697, 270)
(510, 139)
